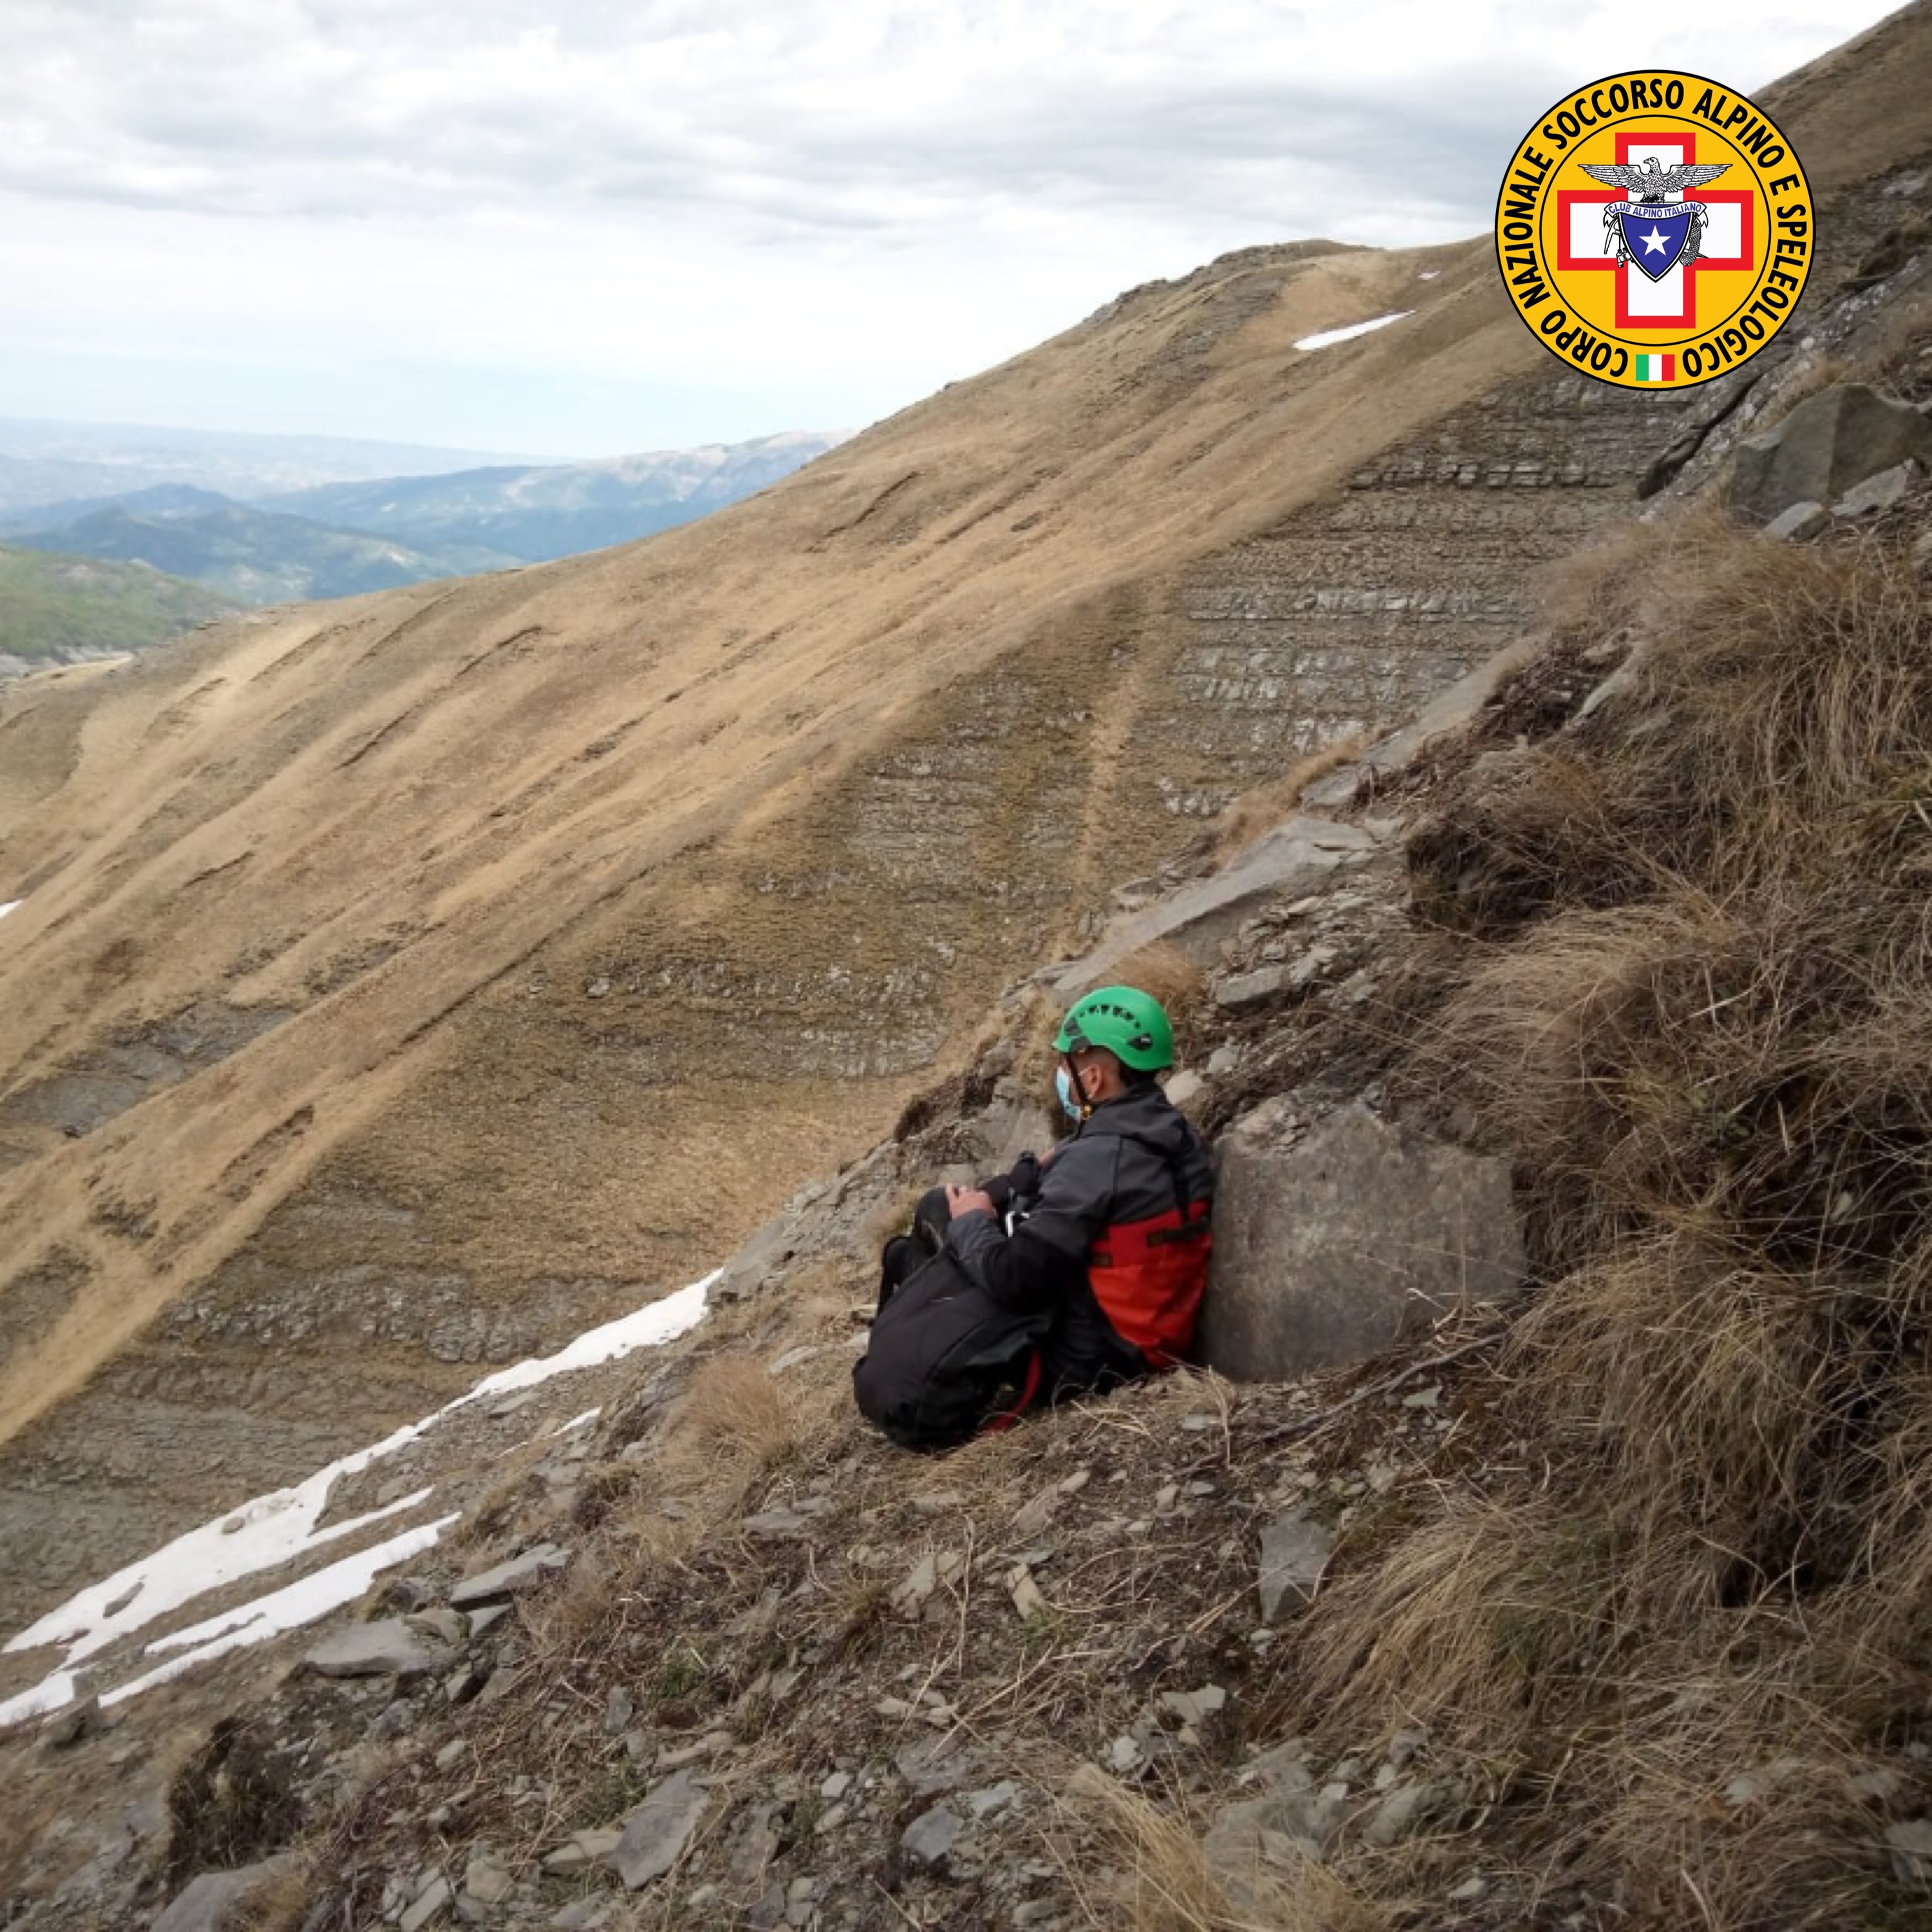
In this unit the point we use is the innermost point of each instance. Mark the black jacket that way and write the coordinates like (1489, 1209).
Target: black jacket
(1135, 1157)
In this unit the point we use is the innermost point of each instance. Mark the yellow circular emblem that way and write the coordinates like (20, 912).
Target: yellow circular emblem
(1655, 229)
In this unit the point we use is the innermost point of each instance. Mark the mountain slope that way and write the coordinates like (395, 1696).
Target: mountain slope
(536, 514)
(55, 608)
(426, 977)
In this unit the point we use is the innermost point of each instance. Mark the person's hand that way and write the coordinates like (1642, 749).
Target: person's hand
(968, 1200)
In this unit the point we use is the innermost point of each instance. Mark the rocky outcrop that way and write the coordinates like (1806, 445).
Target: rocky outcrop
(1828, 447)
(1334, 1239)
(1293, 858)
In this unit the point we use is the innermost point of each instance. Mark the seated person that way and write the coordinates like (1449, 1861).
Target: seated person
(1085, 1267)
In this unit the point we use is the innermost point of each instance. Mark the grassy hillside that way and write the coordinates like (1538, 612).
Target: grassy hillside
(592, 908)
(53, 606)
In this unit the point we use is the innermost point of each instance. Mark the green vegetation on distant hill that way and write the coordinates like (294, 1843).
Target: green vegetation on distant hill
(54, 607)
(254, 557)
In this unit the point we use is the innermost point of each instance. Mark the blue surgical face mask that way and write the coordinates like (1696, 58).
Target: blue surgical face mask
(1063, 1085)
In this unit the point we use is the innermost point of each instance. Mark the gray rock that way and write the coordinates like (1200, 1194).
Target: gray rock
(521, 1574)
(1193, 1707)
(1882, 492)
(1399, 1813)
(1827, 446)
(1222, 1061)
(440, 1626)
(1312, 965)
(656, 1833)
(1012, 1122)
(1910, 1842)
(758, 1263)
(994, 1799)
(1333, 1245)
(1295, 1550)
(584, 1848)
(583, 1915)
(388, 1647)
(486, 1878)
(429, 1904)
(1240, 991)
(1292, 1819)
(931, 1765)
(1185, 1087)
(931, 1836)
(1797, 523)
(1448, 711)
(787, 1523)
(216, 1901)
(68, 1727)
(1292, 858)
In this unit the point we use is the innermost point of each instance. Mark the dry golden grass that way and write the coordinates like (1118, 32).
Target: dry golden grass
(280, 1904)
(1700, 1011)
(1155, 1875)
(1165, 972)
(1244, 819)
(738, 1425)
(1464, 1624)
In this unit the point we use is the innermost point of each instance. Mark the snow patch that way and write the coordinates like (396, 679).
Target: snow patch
(1329, 336)
(305, 1601)
(49, 1694)
(10, 905)
(656, 1322)
(279, 1528)
(1429, 275)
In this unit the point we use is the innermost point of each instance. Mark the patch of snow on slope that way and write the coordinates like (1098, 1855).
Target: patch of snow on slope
(9, 905)
(49, 1694)
(279, 1528)
(657, 1321)
(304, 1601)
(1329, 336)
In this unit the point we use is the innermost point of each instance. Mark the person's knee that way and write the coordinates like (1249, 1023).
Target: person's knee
(930, 1220)
(900, 1256)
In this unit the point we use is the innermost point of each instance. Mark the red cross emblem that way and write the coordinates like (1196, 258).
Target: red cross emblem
(1671, 302)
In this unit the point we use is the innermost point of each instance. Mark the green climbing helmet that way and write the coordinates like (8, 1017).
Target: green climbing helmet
(1131, 1025)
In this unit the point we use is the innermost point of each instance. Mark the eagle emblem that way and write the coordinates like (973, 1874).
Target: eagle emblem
(1652, 233)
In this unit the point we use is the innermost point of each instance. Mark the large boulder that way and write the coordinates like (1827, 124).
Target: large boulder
(1334, 1239)
(1827, 445)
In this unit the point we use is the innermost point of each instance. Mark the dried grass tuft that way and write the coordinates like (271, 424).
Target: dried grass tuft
(1157, 1876)
(279, 1904)
(1693, 1595)
(1261, 809)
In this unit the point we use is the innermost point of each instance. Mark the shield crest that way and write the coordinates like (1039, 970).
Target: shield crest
(1655, 235)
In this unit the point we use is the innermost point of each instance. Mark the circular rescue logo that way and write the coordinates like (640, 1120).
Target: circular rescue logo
(1655, 229)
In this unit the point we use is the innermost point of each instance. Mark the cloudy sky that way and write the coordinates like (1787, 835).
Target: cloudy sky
(580, 226)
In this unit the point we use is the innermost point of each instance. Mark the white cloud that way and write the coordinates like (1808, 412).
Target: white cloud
(577, 194)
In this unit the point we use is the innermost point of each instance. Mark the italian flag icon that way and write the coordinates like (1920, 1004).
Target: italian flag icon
(1656, 368)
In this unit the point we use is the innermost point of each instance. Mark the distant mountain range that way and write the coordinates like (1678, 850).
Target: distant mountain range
(43, 462)
(341, 537)
(535, 512)
(62, 610)
(250, 556)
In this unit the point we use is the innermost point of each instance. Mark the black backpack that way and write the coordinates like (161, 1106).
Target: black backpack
(944, 1362)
